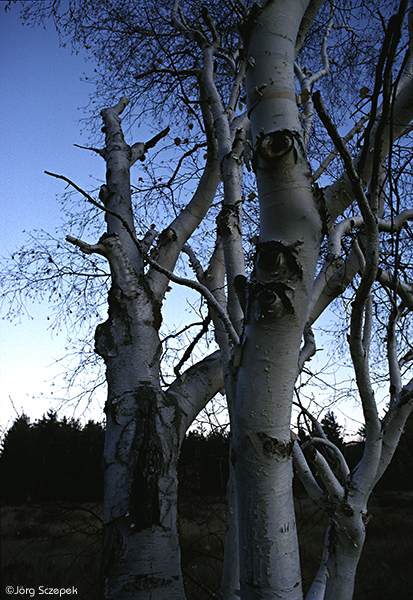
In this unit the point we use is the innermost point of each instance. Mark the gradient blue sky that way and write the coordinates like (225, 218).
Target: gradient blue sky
(41, 96)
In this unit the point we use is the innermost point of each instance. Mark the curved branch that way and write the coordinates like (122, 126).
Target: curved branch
(180, 25)
(345, 471)
(306, 22)
(332, 263)
(307, 82)
(194, 262)
(403, 290)
(358, 127)
(338, 196)
(318, 587)
(333, 486)
(324, 57)
(196, 387)
(308, 350)
(335, 276)
(392, 425)
(305, 475)
(357, 348)
(194, 212)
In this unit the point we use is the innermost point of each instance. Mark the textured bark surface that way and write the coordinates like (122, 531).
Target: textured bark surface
(141, 557)
(277, 300)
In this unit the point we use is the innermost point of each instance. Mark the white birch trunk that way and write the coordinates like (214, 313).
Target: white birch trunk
(346, 539)
(290, 234)
(144, 425)
(141, 557)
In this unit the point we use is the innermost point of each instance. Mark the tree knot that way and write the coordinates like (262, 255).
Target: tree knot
(272, 147)
(273, 447)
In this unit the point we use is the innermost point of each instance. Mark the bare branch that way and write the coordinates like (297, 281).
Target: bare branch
(402, 289)
(355, 180)
(315, 492)
(317, 589)
(99, 151)
(393, 424)
(194, 262)
(326, 66)
(188, 351)
(372, 236)
(180, 24)
(169, 274)
(344, 470)
(333, 486)
(306, 22)
(196, 386)
(87, 248)
(358, 127)
(307, 82)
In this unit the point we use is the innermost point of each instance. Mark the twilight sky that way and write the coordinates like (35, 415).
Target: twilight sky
(41, 92)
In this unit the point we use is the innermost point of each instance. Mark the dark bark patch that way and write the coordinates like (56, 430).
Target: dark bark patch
(148, 463)
(228, 218)
(327, 221)
(156, 305)
(233, 457)
(104, 343)
(167, 236)
(273, 447)
(116, 331)
(276, 145)
(278, 260)
(268, 299)
(247, 26)
(365, 517)
(113, 548)
(332, 538)
(143, 583)
(346, 509)
(270, 291)
(241, 288)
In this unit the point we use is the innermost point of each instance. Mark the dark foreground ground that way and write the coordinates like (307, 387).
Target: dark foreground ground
(58, 546)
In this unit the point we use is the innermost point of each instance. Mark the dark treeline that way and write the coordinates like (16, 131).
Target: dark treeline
(54, 459)
(51, 459)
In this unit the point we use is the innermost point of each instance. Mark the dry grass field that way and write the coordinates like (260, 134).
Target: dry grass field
(58, 546)
(51, 545)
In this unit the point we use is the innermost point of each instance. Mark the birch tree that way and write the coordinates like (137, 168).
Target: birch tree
(257, 97)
